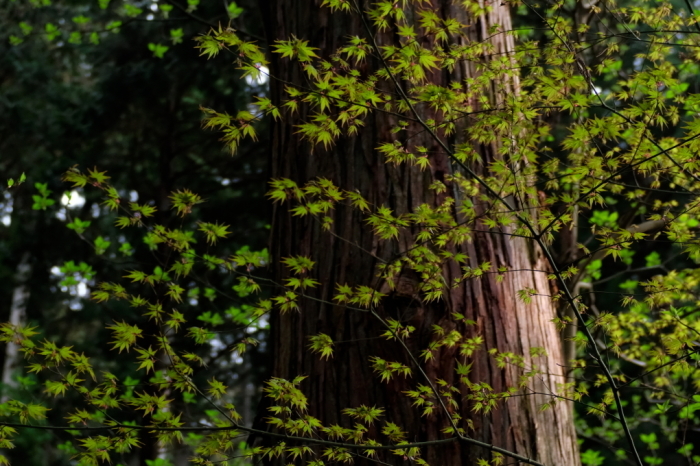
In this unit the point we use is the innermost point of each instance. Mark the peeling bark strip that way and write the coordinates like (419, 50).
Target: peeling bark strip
(351, 256)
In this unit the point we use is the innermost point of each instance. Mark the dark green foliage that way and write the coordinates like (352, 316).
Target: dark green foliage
(74, 98)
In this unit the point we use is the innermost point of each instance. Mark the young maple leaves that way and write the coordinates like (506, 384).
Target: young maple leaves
(127, 336)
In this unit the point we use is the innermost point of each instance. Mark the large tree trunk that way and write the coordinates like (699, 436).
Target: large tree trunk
(351, 255)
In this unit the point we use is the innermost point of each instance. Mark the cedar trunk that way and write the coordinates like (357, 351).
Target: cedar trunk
(349, 255)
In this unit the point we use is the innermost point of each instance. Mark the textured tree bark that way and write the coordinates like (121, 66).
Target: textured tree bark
(351, 256)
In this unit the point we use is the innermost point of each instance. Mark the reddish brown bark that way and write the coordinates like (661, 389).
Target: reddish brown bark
(350, 256)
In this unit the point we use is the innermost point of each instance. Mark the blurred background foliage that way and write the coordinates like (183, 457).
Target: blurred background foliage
(102, 84)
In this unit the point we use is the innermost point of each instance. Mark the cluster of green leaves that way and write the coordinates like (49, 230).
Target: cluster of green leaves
(49, 360)
(95, 22)
(106, 399)
(290, 417)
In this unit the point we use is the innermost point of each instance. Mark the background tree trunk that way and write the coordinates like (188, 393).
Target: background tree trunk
(18, 316)
(352, 254)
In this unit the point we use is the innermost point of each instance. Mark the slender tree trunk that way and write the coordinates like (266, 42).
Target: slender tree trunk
(18, 316)
(352, 253)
